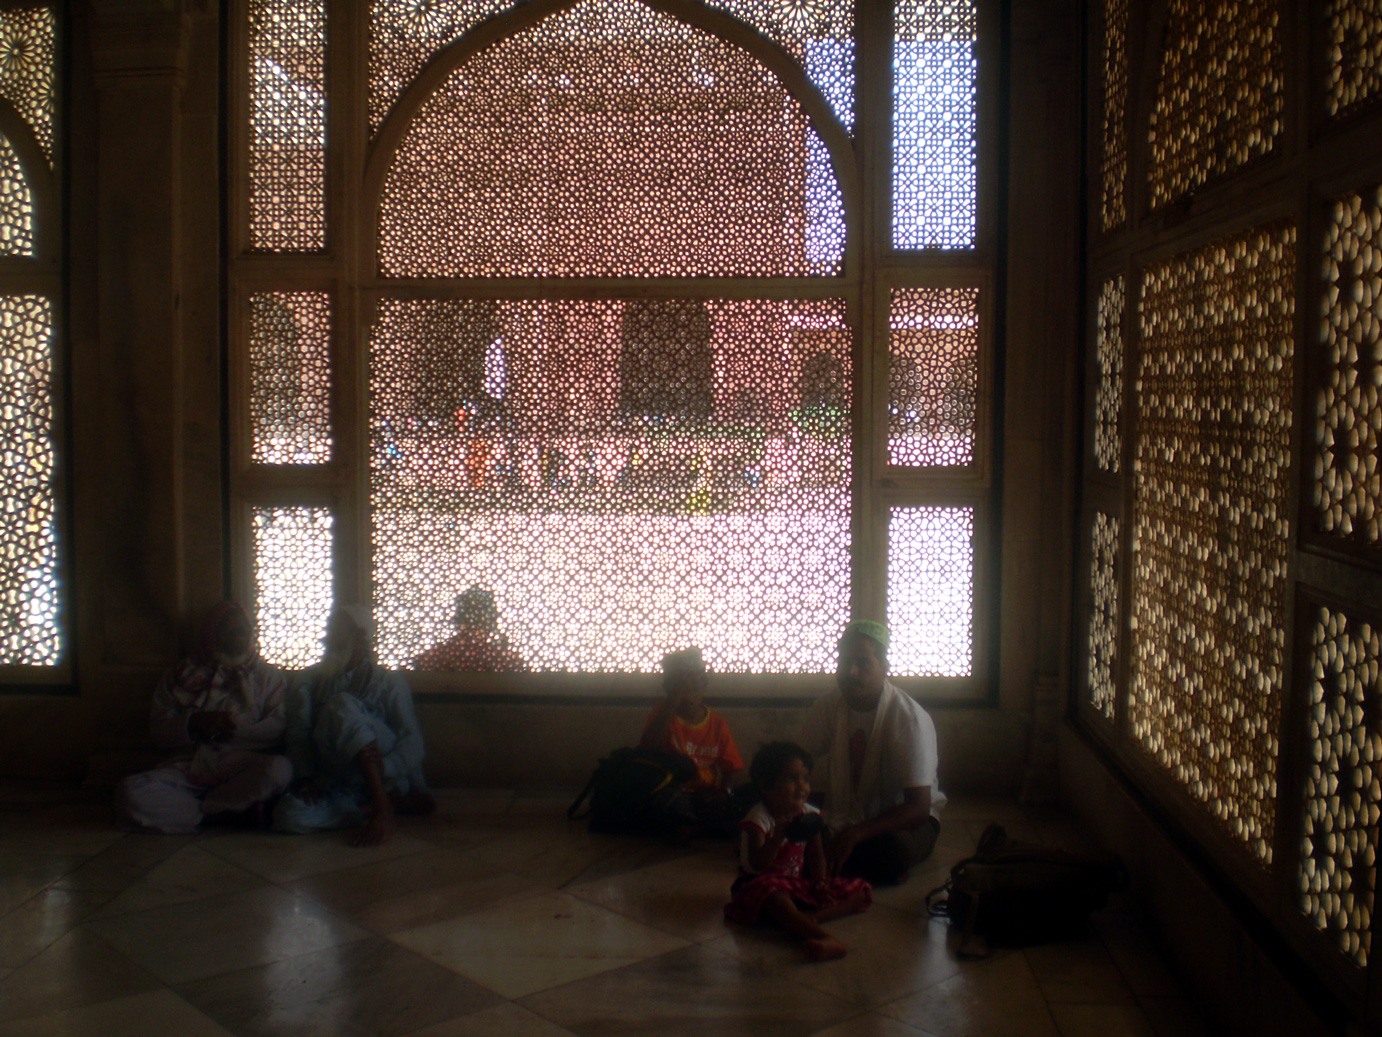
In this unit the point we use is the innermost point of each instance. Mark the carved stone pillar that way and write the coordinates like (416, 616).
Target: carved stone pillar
(139, 53)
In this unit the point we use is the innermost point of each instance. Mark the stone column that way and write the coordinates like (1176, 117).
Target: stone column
(139, 54)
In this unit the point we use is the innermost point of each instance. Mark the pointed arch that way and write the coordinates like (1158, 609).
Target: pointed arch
(38, 177)
(385, 147)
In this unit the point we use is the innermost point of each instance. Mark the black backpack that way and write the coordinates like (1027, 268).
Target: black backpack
(1016, 894)
(631, 790)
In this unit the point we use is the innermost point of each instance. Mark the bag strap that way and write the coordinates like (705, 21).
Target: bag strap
(936, 905)
(571, 814)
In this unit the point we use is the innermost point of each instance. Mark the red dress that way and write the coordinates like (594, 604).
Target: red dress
(750, 890)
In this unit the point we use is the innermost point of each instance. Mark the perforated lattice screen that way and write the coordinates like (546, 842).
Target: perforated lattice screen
(28, 45)
(1353, 54)
(1114, 171)
(622, 476)
(1348, 411)
(1343, 781)
(1211, 477)
(292, 582)
(935, 124)
(29, 603)
(1103, 614)
(16, 205)
(933, 375)
(290, 377)
(931, 591)
(406, 34)
(611, 140)
(1219, 97)
(287, 125)
(1108, 389)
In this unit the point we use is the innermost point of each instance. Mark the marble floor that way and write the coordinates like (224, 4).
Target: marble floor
(498, 916)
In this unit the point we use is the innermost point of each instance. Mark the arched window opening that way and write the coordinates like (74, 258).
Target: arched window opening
(605, 317)
(611, 140)
(33, 605)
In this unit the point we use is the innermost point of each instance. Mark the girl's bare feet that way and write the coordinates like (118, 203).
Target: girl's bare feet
(827, 949)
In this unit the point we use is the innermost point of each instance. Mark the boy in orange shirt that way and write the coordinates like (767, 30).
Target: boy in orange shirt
(683, 723)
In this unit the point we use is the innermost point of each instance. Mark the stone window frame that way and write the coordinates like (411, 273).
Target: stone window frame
(346, 268)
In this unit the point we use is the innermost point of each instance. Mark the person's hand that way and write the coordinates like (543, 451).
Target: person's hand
(309, 791)
(377, 830)
(838, 849)
(211, 725)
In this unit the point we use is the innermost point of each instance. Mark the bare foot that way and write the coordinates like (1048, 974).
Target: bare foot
(377, 830)
(414, 804)
(826, 949)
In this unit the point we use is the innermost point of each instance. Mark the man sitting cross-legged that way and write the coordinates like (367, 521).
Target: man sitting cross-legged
(221, 712)
(880, 746)
(354, 740)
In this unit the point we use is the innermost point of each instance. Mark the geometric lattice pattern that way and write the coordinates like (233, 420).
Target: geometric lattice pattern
(1219, 96)
(292, 582)
(935, 124)
(1103, 615)
(1343, 781)
(1114, 167)
(290, 378)
(1348, 417)
(28, 45)
(406, 34)
(931, 591)
(30, 634)
(622, 476)
(610, 140)
(16, 205)
(1108, 390)
(1353, 54)
(933, 375)
(287, 123)
(1212, 456)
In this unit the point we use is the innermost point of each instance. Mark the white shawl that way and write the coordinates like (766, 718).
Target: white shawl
(850, 806)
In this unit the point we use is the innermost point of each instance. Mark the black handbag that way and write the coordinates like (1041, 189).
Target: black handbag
(1016, 894)
(631, 789)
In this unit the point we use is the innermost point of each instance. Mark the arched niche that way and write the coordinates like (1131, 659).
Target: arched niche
(611, 138)
(26, 190)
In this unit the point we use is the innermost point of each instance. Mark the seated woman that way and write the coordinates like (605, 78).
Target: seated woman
(220, 711)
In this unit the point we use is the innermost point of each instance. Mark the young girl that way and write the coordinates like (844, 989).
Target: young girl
(780, 834)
